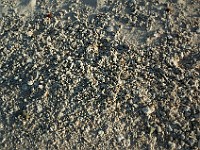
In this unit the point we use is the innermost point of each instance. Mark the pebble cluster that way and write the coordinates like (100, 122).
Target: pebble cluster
(94, 74)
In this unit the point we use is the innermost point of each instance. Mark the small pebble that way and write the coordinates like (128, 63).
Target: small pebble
(29, 33)
(159, 129)
(31, 82)
(29, 60)
(110, 29)
(40, 86)
(101, 133)
(147, 110)
(120, 138)
(198, 30)
(39, 108)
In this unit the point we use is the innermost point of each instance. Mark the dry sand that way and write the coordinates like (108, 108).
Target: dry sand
(99, 74)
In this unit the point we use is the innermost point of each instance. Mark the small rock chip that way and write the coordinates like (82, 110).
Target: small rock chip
(40, 86)
(148, 110)
(60, 114)
(159, 129)
(39, 108)
(101, 133)
(29, 60)
(120, 138)
(198, 30)
(29, 33)
(30, 82)
(110, 29)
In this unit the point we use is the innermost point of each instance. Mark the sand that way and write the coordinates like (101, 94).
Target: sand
(99, 74)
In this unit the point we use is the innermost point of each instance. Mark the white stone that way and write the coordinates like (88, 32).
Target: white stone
(29, 33)
(39, 108)
(198, 30)
(101, 133)
(16, 77)
(61, 114)
(30, 82)
(120, 138)
(1, 126)
(40, 86)
(48, 40)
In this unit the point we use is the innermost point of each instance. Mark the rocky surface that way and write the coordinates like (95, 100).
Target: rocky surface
(94, 74)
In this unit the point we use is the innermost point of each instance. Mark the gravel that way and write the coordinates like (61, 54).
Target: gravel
(95, 74)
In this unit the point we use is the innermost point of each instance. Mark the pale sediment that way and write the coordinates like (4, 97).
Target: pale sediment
(100, 75)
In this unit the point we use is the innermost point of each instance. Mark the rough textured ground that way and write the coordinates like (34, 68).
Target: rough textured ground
(94, 74)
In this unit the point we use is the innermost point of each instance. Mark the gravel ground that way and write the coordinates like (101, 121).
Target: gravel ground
(99, 74)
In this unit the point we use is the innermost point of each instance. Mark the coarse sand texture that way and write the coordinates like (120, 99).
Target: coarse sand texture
(99, 74)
